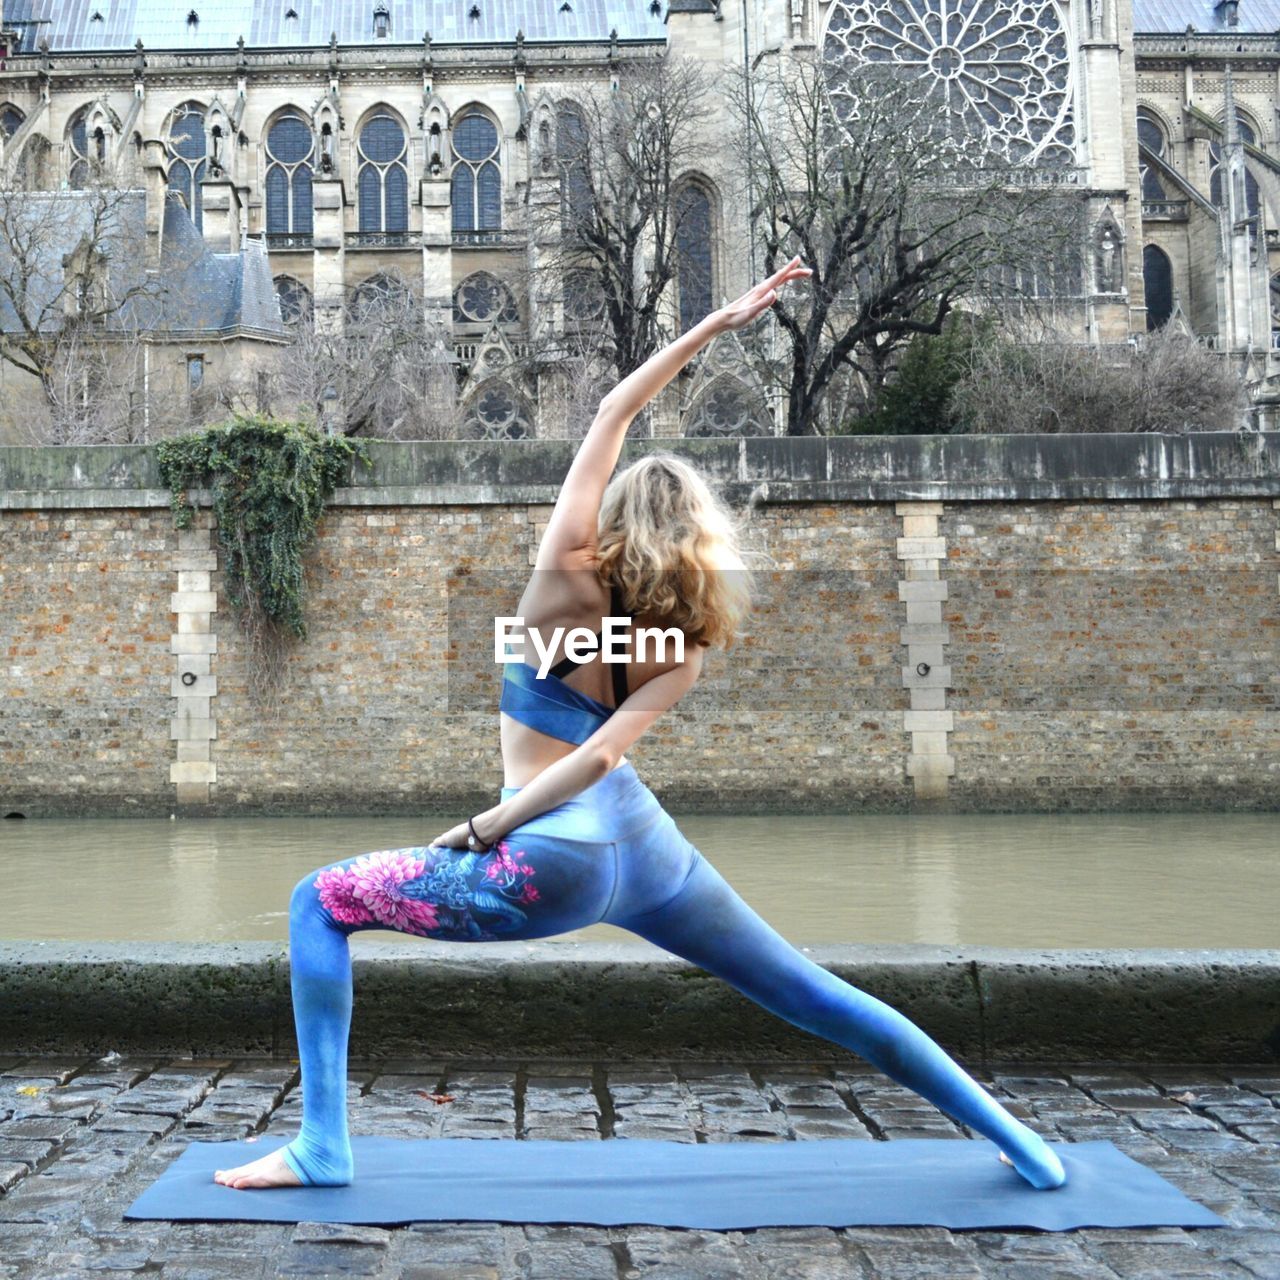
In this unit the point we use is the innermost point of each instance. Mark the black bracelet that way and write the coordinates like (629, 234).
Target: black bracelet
(477, 845)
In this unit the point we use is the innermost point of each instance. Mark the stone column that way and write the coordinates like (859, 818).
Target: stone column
(922, 590)
(437, 254)
(155, 184)
(193, 645)
(538, 514)
(221, 219)
(328, 252)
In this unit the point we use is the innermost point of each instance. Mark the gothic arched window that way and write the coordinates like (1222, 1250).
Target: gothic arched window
(10, 119)
(295, 299)
(289, 153)
(498, 413)
(383, 175)
(1250, 198)
(477, 181)
(1157, 282)
(727, 408)
(572, 161)
(34, 168)
(583, 296)
(481, 299)
(693, 253)
(80, 150)
(383, 301)
(188, 145)
(1151, 136)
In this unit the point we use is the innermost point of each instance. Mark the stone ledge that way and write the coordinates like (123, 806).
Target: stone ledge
(633, 1001)
(917, 472)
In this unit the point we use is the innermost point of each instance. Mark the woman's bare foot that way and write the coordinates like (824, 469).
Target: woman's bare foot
(270, 1171)
(1044, 1182)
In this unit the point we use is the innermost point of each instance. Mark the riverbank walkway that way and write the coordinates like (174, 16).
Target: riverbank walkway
(81, 1138)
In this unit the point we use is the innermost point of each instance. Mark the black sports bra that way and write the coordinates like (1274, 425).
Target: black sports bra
(618, 670)
(553, 707)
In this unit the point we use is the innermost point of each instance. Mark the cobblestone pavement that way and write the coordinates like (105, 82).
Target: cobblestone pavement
(79, 1140)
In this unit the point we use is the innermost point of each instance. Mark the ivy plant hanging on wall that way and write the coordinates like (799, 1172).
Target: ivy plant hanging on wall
(269, 481)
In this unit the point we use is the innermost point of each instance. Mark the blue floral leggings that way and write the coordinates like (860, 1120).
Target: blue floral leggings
(612, 854)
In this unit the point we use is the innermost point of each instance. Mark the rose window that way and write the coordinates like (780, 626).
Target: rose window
(997, 68)
(726, 408)
(482, 298)
(498, 415)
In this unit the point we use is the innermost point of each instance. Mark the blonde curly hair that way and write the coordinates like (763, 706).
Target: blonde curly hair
(672, 546)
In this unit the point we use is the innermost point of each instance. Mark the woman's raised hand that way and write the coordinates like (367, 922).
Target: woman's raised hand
(737, 314)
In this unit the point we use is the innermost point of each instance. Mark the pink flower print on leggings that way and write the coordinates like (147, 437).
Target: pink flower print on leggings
(370, 889)
(509, 874)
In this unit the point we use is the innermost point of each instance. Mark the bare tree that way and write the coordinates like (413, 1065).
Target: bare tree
(902, 209)
(76, 304)
(574, 376)
(387, 366)
(620, 156)
(94, 384)
(1167, 382)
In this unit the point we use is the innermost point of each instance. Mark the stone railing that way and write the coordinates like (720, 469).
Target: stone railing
(383, 239)
(277, 240)
(1165, 210)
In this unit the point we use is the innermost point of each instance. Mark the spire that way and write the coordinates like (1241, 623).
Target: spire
(1231, 122)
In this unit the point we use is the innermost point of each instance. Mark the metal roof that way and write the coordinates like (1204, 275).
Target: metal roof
(1155, 16)
(195, 291)
(71, 25)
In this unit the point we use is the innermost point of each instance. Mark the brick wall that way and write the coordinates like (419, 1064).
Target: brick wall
(1109, 652)
(84, 636)
(916, 644)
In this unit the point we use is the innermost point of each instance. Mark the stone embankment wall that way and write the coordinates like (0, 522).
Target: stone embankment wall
(1017, 622)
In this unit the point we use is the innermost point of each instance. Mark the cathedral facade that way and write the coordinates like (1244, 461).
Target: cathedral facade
(354, 142)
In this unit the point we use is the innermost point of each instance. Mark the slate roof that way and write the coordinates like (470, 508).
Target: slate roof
(1156, 16)
(162, 24)
(199, 292)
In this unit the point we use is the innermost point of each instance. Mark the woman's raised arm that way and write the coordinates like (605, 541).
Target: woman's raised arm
(571, 531)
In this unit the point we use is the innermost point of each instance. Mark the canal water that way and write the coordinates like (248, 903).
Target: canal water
(1074, 880)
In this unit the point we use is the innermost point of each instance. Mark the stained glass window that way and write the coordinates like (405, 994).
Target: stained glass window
(188, 146)
(295, 299)
(572, 159)
(289, 154)
(381, 299)
(998, 69)
(693, 254)
(78, 141)
(383, 177)
(1151, 136)
(1157, 283)
(583, 296)
(482, 298)
(477, 181)
(498, 413)
(727, 408)
(1217, 186)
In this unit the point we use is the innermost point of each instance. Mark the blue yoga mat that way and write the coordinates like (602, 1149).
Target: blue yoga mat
(945, 1182)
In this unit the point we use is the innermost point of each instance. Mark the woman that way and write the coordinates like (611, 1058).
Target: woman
(577, 838)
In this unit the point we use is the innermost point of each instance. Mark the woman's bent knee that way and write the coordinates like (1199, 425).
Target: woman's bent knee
(305, 888)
